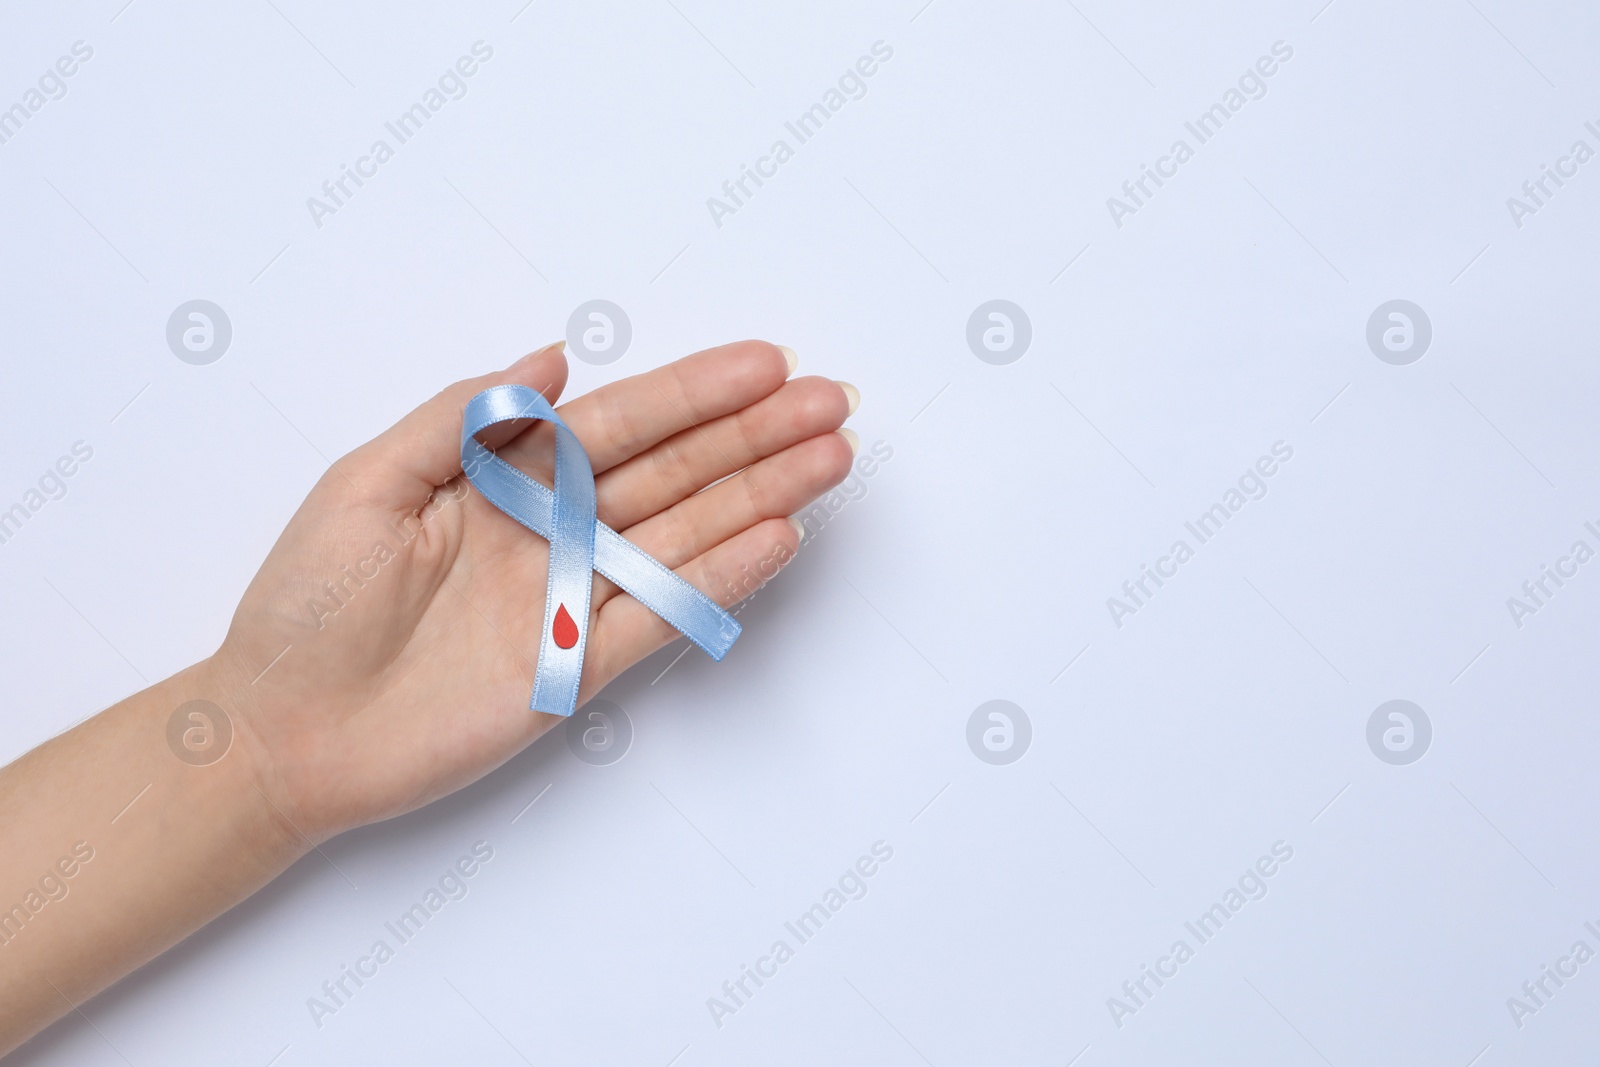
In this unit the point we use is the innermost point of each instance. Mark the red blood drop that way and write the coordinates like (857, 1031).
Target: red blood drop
(565, 631)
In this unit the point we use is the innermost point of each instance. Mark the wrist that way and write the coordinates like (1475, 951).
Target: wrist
(210, 729)
(284, 729)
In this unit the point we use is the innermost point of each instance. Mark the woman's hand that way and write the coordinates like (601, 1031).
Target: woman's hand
(383, 655)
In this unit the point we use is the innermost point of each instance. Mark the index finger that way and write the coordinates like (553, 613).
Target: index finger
(618, 421)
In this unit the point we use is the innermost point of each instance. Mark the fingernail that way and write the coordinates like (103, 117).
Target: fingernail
(558, 346)
(850, 435)
(799, 529)
(852, 394)
(789, 357)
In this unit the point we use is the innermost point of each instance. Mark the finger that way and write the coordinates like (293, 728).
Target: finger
(687, 462)
(423, 450)
(770, 489)
(620, 420)
(627, 631)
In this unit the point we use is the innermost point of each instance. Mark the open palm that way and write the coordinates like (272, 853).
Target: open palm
(383, 655)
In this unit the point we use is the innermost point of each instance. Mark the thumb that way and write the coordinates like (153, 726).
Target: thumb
(422, 451)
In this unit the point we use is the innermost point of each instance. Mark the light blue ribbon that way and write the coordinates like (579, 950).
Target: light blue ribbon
(579, 545)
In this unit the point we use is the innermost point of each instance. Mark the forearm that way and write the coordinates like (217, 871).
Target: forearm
(114, 847)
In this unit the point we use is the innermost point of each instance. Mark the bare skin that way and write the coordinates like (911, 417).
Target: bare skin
(406, 682)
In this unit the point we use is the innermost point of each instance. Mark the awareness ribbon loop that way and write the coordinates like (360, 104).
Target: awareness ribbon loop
(579, 546)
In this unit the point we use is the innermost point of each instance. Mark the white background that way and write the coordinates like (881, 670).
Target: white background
(1229, 313)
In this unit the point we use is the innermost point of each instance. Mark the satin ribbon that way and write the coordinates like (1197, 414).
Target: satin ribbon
(579, 545)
